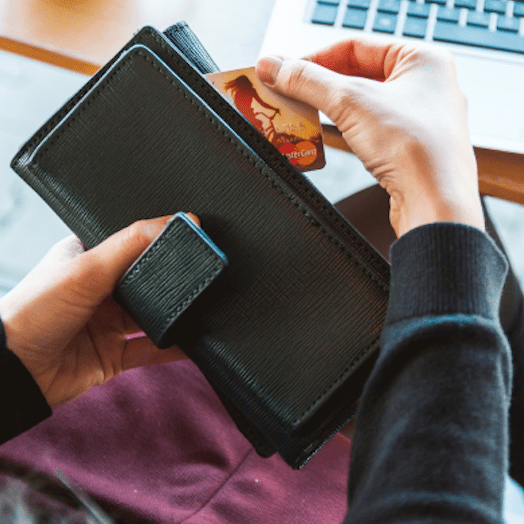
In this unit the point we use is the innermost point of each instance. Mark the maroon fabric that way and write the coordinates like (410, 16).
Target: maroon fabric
(156, 445)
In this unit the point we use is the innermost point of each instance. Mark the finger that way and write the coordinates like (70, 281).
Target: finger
(102, 267)
(105, 264)
(142, 352)
(308, 82)
(369, 58)
(364, 57)
(139, 348)
(64, 250)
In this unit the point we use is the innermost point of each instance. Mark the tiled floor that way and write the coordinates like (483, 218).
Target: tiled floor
(30, 92)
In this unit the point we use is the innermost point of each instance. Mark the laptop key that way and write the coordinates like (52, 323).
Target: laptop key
(468, 4)
(360, 4)
(415, 26)
(518, 9)
(478, 19)
(324, 14)
(495, 6)
(440, 2)
(389, 6)
(385, 23)
(505, 23)
(328, 2)
(420, 10)
(475, 36)
(448, 14)
(355, 18)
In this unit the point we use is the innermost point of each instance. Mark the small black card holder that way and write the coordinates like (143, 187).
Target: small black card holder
(287, 332)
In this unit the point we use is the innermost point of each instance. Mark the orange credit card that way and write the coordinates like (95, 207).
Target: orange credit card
(292, 127)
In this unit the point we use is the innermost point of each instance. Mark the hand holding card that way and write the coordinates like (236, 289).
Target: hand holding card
(292, 127)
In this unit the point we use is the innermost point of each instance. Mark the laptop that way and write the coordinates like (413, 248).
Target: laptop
(486, 38)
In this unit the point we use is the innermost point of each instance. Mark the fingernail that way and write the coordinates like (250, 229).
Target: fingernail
(132, 336)
(268, 68)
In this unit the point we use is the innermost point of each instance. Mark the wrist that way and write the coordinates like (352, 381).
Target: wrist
(437, 185)
(17, 325)
(433, 178)
(431, 209)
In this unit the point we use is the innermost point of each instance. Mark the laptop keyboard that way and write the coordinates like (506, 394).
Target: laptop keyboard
(489, 24)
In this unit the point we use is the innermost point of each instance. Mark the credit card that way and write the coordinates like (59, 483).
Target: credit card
(292, 127)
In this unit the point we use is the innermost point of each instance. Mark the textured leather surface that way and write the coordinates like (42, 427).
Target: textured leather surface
(288, 334)
(368, 212)
(190, 46)
(180, 264)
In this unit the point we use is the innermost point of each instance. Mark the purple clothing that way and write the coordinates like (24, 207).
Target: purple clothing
(430, 445)
(156, 445)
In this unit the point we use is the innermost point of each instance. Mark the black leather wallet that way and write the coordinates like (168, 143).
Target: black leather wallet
(287, 331)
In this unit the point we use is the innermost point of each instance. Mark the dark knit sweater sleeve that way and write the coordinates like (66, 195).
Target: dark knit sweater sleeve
(431, 436)
(23, 404)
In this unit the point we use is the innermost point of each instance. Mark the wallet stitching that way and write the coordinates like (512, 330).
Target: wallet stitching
(164, 237)
(60, 202)
(305, 188)
(48, 127)
(63, 112)
(262, 168)
(333, 386)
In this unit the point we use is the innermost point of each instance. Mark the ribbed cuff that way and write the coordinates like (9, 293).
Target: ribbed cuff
(22, 404)
(445, 268)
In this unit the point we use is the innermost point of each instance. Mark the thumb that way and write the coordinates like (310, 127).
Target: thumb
(305, 81)
(100, 268)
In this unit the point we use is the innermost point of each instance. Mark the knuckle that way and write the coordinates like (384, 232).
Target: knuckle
(344, 100)
(296, 77)
(339, 103)
(434, 55)
(139, 233)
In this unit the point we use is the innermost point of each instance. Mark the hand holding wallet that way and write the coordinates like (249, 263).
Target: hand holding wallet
(287, 332)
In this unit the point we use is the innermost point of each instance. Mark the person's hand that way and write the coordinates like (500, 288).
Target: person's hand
(64, 326)
(401, 111)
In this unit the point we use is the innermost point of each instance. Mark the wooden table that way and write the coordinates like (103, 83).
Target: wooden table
(500, 174)
(81, 35)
